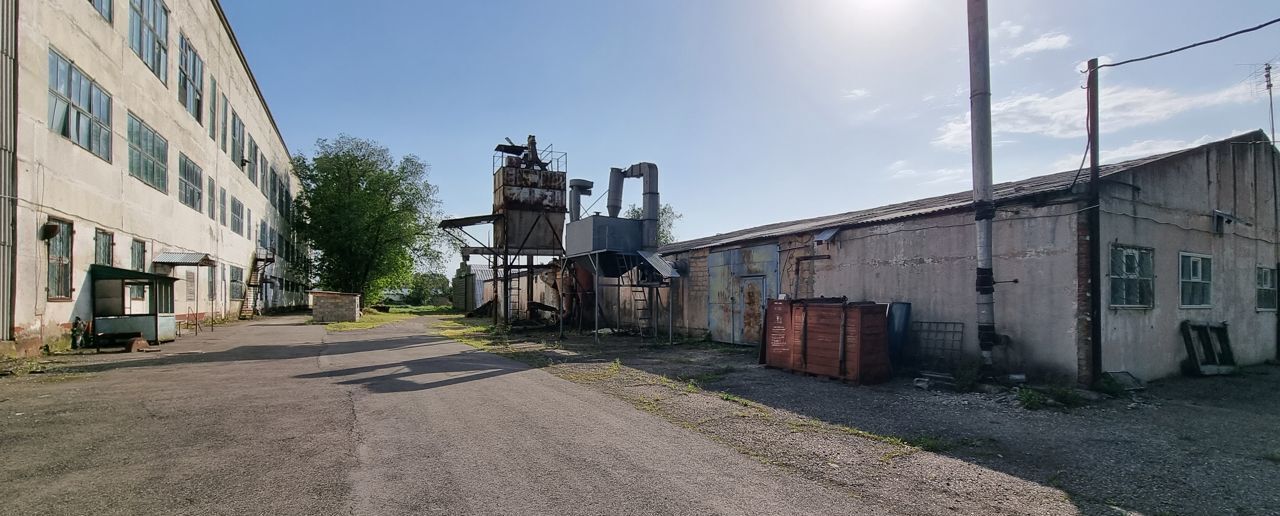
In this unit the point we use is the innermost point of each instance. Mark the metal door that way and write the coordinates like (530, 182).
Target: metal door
(749, 311)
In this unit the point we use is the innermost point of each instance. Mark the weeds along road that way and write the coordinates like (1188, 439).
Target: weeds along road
(278, 417)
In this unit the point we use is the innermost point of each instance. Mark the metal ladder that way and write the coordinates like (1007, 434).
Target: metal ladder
(643, 312)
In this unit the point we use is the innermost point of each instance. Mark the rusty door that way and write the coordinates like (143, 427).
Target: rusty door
(750, 311)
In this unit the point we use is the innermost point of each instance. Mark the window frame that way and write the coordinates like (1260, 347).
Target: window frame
(1197, 258)
(189, 190)
(68, 231)
(1259, 289)
(211, 200)
(213, 108)
(104, 8)
(1123, 275)
(138, 261)
(160, 37)
(237, 216)
(70, 107)
(222, 206)
(98, 235)
(136, 148)
(236, 282)
(190, 78)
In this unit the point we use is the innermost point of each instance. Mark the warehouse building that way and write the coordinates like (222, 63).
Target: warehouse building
(1189, 235)
(136, 139)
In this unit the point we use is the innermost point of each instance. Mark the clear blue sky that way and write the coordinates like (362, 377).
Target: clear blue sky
(756, 111)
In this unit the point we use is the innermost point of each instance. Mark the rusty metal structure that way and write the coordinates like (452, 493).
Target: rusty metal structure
(626, 250)
(527, 221)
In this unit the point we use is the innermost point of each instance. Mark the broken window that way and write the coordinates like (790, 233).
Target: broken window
(79, 109)
(1132, 277)
(190, 78)
(149, 35)
(1266, 288)
(1195, 276)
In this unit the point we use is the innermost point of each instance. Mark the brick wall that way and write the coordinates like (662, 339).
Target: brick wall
(335, 307)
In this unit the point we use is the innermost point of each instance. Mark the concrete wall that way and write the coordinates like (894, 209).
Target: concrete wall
(56, 178)
(1168, 207)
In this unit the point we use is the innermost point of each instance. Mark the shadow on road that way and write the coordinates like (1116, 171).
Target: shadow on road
(455, 368)
(253, 352)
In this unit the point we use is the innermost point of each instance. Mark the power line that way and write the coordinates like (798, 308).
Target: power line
(1188, 47)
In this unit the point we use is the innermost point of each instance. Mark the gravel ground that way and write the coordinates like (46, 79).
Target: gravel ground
(1183, 446)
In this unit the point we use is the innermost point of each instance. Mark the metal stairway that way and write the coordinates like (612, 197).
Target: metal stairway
(262, 257)
(643, 312)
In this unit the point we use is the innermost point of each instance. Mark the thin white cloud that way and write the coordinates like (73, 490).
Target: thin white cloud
(1006, 29)
(901, 171)
(855, 93)
(1062, 115)
(1137, 149)
(1048, 41)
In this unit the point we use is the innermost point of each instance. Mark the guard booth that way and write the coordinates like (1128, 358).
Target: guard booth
(115, 310)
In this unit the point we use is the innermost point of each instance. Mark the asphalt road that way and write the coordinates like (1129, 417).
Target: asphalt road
(276, 417)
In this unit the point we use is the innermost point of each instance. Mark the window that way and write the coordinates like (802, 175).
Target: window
(248, 224)
(79, 109)
(222, 206)
(225, 111)
(103, 244)
(253, 162)
(237, 216)
(237, 283)
(103, 7)
(190, 78)
(1266, 288)
(1132, 277)
(149, 35)
(1195, 276)
(191, 285)
(213, 201)
(213, 108)
(265, 186)
(213, 284)
(148, 155)
(138, 260)
(237, 141)
(59, 287)
(264, 235)
(190, 178)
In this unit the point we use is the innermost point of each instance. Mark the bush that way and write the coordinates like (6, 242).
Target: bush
(966, 374)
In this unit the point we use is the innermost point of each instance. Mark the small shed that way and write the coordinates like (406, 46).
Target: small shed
(327, 306)
(111, 308)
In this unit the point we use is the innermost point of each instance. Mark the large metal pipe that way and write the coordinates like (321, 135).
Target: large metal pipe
(649, 221)
(651, 202)
(614, 203)
(980, 137)
(577, 189)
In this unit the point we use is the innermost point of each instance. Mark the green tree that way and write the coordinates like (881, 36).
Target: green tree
(667, 217)
(428, 288)
(369, 218)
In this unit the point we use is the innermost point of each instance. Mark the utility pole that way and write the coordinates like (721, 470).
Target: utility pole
(1271, 103)
(980, 139)
(1094, 219)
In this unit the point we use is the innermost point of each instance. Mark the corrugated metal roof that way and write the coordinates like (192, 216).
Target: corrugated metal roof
(183, 258)
(1061, 181)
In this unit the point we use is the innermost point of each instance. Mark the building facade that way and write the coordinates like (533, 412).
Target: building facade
(140, 132)
(1190, 235)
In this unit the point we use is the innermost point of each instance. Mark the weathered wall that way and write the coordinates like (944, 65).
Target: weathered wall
(58, 179)
(929, 263)
(1168, 207)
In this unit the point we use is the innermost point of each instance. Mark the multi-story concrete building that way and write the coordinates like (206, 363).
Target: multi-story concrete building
(135, 136)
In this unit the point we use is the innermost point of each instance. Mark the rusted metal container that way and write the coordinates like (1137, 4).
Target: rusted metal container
(777, 346)
(829, 337)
